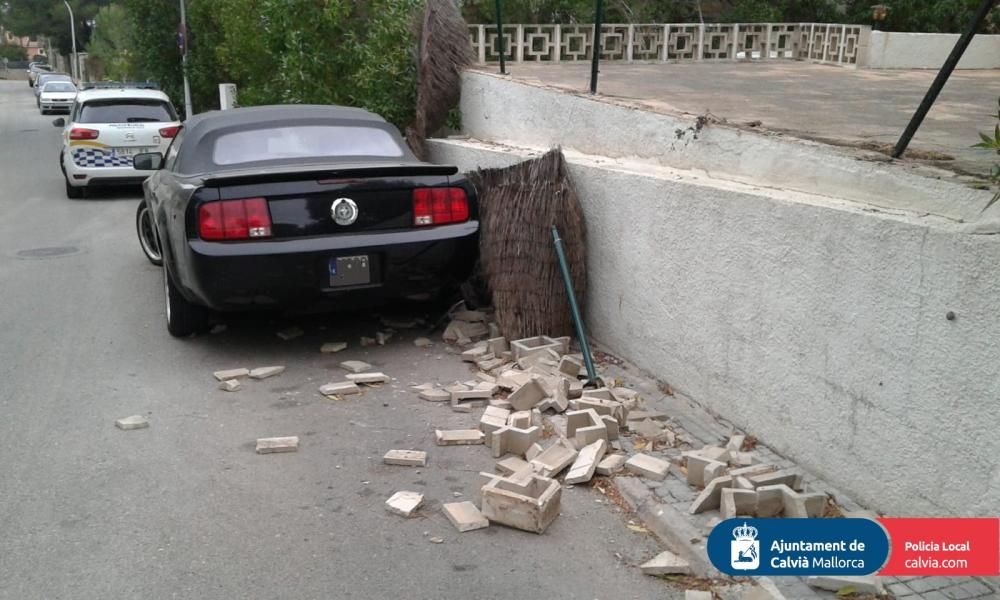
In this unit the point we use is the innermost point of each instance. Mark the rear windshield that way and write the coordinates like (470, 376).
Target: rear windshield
(126, 111)
(303, 141)
(58, 86)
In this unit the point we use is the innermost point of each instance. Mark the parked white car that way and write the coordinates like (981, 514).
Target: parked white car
(56, 96)
(106, 129)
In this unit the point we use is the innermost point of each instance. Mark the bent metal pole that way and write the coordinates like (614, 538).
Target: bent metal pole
(942, 77)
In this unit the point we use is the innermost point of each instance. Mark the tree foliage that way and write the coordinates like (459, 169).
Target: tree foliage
(50, 18)
(110, 44)
(12, 53)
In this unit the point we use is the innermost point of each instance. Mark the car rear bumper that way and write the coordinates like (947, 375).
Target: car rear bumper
(50, 106)
(296, 273)
(105, 176)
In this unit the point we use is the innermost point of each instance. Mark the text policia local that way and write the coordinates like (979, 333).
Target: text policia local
(780, 547)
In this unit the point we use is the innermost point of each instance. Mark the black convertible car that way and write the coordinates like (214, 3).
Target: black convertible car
(292, 206)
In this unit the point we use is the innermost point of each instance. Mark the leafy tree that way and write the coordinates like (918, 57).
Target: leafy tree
(110, 43)
(12, 53)
(50, 18)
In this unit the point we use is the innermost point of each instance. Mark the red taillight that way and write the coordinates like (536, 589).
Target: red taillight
(437, 206)
(169, 132)
(234, 220)
(82, 133)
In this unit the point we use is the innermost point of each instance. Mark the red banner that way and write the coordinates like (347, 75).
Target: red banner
(945, 547)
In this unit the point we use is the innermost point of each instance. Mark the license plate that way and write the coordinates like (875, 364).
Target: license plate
(129, 152)
(350, 270)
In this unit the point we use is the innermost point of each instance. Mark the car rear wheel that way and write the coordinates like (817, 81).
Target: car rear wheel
(146, 230)
(73, 192)
(183, 317)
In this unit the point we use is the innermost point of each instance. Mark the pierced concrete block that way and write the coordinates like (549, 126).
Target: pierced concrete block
(711, 496)
(585, 427)
(586, 461)
(265, 372)
(404, 503)
(405, 458)
(521, 419)
(666, 563)
(611, 425)
(791, 478)
(771, 500)
(368, 378)
(554, 459)
(533, 451)
(513, 440)
(648, 466)
(512, 464)
(527, 396)
(355, 366)
(471, 398)
(342, 388)
(277, 444)
(535, 345)
(493, 418)
(611, 408)
(735, 503)
(800, 505)
(498, 345)
(696, 465)
(464, 516)
(611, 464)
(529, 505)
(458, 437)
(133, 422)
(231, 374)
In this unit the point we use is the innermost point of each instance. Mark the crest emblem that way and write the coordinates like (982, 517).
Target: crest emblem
(344, 211)
(745, 548)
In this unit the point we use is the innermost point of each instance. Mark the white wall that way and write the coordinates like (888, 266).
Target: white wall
(887, 50)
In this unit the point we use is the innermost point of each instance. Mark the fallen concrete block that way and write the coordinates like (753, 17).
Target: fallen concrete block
(291, 333)
(753, 470)
(231, 374)
(404, 503)
(513, 440)
(368, 378)
(711, 496)
(473, 397)
(501, 403)
(382, 337)
(366, 341)
(471, 330)
(800, 505)
(741, 459)
(742, 483)
(458, 437)
(602, 393)
(464, 516)
(585, 427)
(862, 584)
(527, 396)
(422, 342)
(277, 444)
(494, 330)
(611, 425)
(490, 364)
(341, 388)
(498, 345)
(714, 470)
(714, 453)
(511, 379)
(532, 346)
(551, 461)
(735, 503)
(735, 443)
(611, 464)
(333, 347)
(457, 387)
(570, 366)
(469, 316)
(476, 353)
(533, 451)
(435, 395)
(493, 418)
(611, 408)
(405, 458)
(133, 422)
(697, 595)
(230, 385)
(648, 466)
(791, 478)
(628, 397)
(696, 465)
(649, 429)
(575, 389)
(355, 366)
(511, 464)
(521, 419)
(666, 563)
(771, 500)
(529, 505)
(586, 461)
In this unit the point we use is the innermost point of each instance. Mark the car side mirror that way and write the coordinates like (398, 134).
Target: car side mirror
(60, 122)
(150, 161)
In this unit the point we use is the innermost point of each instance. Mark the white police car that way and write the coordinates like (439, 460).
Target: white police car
(106, 128)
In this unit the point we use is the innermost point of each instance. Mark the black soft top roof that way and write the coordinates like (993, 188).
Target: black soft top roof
(201, 130)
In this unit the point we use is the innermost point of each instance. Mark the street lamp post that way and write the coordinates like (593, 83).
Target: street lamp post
(72, 31)
(184, 60)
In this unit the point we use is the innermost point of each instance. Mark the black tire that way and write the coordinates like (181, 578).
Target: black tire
(74, 193)
(149, 239)
(183, 317)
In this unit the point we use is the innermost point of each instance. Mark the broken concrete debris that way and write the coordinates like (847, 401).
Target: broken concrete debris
(435, 395)
(333, 347)
(551, 461)
(611, 464)
(231, 374)
(666, 563)
(465, 516)
(512, 464)
(586, 462)
(512, 440)
(493, 419)
(342, 388)
(230, 385)
(274, 445)
(585, 427)
(458, 437)
(527, 396)
(405, 458)
(265, 372)
(355, 366)
(368, 378)
(530, 504)
(404, 503)
(133, 422)
(648, 466)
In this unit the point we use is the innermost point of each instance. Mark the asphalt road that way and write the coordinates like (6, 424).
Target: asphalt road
(186, 509)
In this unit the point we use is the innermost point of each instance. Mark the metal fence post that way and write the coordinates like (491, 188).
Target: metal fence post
(503, 63)
(596, 60)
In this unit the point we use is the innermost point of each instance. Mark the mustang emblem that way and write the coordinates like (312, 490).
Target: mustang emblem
(344, 211)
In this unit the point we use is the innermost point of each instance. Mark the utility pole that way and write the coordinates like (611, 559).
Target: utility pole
(75, 69)
(183, 39)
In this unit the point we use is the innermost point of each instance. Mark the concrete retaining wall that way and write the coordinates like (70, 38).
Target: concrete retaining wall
(816, 323)
(928, 51)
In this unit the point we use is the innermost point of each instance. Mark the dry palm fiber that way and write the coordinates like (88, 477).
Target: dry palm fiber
(518, 206)
(444, 51)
